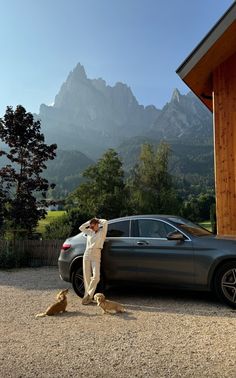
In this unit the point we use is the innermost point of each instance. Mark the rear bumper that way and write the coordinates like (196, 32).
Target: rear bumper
(64, 270)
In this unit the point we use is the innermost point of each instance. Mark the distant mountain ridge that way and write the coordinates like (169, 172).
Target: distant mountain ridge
(184, 120)
(66, 171)
(90, 116)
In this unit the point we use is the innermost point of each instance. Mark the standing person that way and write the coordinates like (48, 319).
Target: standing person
(96, 230)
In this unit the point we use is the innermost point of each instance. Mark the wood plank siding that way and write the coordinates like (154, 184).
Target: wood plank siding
(210, 72)
(224, 105)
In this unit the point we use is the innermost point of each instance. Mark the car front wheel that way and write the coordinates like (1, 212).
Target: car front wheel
(225, 283)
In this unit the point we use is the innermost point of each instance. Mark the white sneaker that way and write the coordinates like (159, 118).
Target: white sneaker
(86, 300)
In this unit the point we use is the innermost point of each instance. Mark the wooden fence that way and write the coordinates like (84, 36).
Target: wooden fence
(32, 253)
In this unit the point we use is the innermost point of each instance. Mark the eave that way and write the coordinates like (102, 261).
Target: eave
(215, 48)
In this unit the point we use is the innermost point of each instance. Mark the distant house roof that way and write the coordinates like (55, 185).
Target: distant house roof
(216, 47)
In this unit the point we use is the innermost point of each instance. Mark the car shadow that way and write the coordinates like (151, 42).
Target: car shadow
(181, 302)
(71, 314)
(135, 298)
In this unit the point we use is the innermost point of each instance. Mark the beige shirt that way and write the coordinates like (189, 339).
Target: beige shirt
(95, 240)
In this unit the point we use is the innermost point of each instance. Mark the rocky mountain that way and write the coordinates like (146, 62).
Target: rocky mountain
(90, 116)
(184, 120)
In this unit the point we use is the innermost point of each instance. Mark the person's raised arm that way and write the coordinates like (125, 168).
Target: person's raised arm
(85, 227)
(104, 224)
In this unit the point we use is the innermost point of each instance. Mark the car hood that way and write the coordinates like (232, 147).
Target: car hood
(217, 242)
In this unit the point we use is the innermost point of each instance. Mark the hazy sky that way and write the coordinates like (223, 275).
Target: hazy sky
(138, 42)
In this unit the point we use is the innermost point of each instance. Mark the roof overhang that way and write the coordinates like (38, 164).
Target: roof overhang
(215, 48)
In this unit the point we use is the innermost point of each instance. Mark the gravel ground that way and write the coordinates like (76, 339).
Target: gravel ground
(163, 334)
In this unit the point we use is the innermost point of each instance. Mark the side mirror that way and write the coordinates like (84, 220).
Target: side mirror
(175, 235)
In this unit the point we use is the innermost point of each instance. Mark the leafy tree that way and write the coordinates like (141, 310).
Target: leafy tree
(27, 154)
(198, 208)
(103, 194)
(2, 203)
(151, 187)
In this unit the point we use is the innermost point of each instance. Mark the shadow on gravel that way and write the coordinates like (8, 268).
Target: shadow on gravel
(135, 298)
(128, 315)
(71, 314)
(181, 302)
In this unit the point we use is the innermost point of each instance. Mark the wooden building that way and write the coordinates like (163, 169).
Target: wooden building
(210, 72)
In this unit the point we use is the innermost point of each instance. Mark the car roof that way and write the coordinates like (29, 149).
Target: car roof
(155, 216)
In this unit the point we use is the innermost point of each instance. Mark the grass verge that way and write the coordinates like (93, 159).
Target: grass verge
(51, 215)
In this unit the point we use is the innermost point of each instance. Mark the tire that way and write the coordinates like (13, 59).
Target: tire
(78, 282)
(225, 283)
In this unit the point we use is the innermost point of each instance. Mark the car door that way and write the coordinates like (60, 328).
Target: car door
(158, 259)
(117, 254)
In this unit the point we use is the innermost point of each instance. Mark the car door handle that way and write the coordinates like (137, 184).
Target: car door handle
(142, 242)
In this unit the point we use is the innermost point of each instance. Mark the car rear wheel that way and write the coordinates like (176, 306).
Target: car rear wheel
(225, 283)
(78, 282)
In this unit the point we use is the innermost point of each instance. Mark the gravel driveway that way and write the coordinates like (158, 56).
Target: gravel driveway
(163, 334)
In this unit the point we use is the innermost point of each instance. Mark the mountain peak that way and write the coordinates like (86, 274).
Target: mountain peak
(176, 95)
(79, 72)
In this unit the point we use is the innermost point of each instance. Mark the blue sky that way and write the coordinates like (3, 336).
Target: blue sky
(138, 42)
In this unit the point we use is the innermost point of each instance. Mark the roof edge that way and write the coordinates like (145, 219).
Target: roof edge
(208, 41)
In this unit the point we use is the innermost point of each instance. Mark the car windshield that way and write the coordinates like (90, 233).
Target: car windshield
(191, 228)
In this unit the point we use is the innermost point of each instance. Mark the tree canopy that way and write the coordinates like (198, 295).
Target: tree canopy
(151, 187)
(22, 186)
(103, 192)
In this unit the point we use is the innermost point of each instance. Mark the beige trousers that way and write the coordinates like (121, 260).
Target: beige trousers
(91, 271)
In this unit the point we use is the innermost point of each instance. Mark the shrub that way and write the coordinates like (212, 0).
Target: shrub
(65, 226)
(12, 256)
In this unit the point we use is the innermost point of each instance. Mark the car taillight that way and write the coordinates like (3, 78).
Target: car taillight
(65, 247)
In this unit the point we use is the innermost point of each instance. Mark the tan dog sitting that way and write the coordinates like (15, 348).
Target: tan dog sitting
(106, 305)
(59, 306)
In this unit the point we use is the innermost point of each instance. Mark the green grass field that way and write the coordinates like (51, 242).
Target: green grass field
(51, 215)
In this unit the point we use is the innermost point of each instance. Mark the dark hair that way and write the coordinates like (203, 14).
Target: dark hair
(94, 221)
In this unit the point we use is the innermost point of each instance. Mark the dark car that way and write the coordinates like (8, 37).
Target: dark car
(158, 249)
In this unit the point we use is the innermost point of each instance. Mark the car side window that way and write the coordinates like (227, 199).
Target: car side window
(150, 228)
(118, 229)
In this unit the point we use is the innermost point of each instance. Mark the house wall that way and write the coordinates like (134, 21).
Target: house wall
(224, 110)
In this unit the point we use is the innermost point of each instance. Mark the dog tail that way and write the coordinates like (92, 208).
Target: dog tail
(41, 315)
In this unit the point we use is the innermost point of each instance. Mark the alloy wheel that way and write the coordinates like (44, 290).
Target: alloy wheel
(78, 282)
(228, 285)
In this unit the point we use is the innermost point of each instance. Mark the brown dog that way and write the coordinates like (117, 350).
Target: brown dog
(106, 305)
(59, 306)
